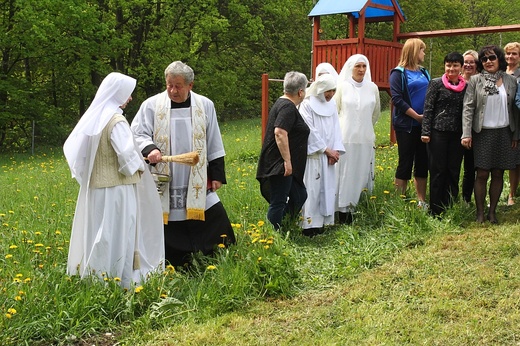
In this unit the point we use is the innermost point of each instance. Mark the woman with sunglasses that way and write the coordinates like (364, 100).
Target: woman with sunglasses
(489, 125)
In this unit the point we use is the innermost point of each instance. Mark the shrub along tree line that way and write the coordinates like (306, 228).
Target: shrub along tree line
(54, 53)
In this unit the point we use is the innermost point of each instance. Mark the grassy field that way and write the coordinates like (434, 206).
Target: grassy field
(394, 277)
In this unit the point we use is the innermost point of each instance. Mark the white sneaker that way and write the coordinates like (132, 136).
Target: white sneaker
(423, 205)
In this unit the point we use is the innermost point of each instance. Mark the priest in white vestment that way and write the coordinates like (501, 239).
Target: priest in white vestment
(324, 148)
(175, 122)
(117, 232)
(357, 98)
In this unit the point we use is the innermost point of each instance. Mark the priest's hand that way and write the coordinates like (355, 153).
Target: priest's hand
(154, 156)
(215, 185)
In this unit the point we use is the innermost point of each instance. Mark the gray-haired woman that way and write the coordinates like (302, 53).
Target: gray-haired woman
(284, 153)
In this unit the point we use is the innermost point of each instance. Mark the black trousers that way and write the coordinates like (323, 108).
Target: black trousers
(445, 157)
(468, 177)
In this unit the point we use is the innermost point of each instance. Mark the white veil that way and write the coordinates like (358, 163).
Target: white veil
(345, 76)
(113, 92)
(315, 93)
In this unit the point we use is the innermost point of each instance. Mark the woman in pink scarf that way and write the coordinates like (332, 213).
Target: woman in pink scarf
(441, 131)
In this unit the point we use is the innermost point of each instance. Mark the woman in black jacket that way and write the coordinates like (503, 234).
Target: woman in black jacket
(441, 131)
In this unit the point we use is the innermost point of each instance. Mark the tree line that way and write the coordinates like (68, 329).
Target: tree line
(54, 53)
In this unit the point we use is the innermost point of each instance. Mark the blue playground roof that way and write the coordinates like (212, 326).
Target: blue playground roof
(324, 7)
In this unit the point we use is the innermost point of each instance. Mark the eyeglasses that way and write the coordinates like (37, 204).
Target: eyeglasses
(469, 62)
(492, 57)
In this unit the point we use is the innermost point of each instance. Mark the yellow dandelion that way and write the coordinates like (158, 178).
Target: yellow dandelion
(2, 215)
(11, 311)
(8, 256)
(7, 315)
(266, 247)
(27, 280)
(38, 245)
(13, 247)
(373, 197)
(223, 236)
(170, 268)
(261, 223)
(117, 279)
(38, 233)
(35, 198)
(259, 259)
(211, 267)
(164, 295)
(40, 266)
(413, 201)
(57, 232)
(19, 275)
(138, 289)
(11, 212)
(222, 246)
(17, 298)
(386, 192)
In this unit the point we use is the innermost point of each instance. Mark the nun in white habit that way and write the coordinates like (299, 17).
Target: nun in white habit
(324, 148)
(358, 102)
(117, 230)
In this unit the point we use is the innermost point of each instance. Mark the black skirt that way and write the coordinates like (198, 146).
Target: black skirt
(183, 238)
(492, 149)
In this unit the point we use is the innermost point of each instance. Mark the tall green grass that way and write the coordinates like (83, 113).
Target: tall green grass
(40, 304)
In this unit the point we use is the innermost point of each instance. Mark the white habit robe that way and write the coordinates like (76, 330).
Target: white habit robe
(181, 142)
(106, 220)
(359, 110)
(320, 177)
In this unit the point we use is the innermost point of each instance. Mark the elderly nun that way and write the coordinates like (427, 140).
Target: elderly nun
(324, 148)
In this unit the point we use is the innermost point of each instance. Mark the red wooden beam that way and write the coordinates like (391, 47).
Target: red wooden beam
(458, 32)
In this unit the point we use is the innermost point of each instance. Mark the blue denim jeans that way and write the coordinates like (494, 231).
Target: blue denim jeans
(287, 199)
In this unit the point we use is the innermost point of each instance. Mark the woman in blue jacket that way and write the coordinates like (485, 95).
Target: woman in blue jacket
(408, 84)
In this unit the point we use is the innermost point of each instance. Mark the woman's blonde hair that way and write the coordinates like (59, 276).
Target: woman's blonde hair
(410, 53)
(512, 45)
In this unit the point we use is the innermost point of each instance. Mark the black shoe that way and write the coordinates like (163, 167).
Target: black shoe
(311, 232)
(345, 218)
